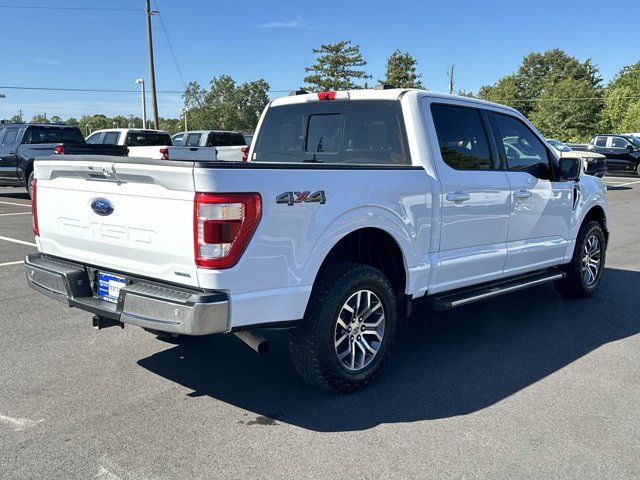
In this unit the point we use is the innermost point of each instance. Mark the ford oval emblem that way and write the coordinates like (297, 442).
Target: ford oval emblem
(102, 206)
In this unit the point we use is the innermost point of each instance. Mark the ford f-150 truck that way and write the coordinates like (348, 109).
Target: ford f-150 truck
(353, 204)
(622, 151)
(209, 145)
(21, 143)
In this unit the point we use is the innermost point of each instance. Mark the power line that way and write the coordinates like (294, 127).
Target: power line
(38, 7)
(166, 35)
(105, 90)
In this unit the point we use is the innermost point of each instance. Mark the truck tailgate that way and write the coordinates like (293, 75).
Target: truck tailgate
(149, 231)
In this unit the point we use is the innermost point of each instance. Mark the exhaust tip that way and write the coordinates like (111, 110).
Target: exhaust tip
(257, 342)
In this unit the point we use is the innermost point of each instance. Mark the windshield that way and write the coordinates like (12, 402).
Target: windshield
(559, 145)
(635, 141)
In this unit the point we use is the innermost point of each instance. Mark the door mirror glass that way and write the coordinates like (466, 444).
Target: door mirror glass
(570, 169)
(630, 147)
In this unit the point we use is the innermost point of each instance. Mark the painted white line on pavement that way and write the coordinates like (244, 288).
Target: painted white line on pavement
(625, 184)
(21, 242)
(6, 264)
(19, 423)
(10, 214)
(14, 203)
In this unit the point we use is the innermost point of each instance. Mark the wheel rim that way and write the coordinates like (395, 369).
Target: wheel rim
(591, 260)
(359, 330)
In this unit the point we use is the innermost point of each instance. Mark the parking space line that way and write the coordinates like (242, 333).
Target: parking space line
(6, 264)
(21, 242)
(9, 214)
(14, 203)
(626, 184)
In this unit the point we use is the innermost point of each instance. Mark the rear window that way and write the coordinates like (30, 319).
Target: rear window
(147, 139)
(192, 140)
(36, 135)
(225, 139)
(361, 132)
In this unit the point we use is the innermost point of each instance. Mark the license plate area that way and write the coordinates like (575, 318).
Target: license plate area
(109, 286)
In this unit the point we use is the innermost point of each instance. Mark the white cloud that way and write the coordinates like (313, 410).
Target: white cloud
(295, 22)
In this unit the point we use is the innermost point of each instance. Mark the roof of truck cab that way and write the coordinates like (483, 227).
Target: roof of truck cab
(145, 130)
(387, 94)
(211, 131)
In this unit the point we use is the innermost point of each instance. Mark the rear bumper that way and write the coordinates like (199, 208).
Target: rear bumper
(151, 305)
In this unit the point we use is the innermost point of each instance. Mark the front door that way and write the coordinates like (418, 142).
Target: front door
(474, 198)
(540, 206)
(8, 155)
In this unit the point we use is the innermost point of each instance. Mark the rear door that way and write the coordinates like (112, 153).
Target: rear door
(540, 206)
(475, 198)
(9, 138)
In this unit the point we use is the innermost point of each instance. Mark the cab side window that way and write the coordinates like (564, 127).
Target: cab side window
(521, 148)
(462, 137)
(619, 142)
(601, 141)
(9, 139)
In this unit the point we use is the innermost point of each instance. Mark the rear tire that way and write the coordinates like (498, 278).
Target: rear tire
(585, 271)
(30, 183)
(348, 329)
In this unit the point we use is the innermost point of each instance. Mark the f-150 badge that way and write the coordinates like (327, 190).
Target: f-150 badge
(291, 198)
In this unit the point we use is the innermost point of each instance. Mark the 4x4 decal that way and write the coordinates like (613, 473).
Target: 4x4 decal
(291, 198)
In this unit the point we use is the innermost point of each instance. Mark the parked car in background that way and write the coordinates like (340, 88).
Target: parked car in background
(21, 143)
(622, 151)
(141, 143)
(353, 204)
(176, 139)
(593, 163)
(230, 146)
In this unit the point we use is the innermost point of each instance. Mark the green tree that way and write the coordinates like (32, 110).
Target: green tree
(401, 71)
(336, 67)
(565, 110)
(504, 91)
(225, 105)
(621, 112)
(39, 119)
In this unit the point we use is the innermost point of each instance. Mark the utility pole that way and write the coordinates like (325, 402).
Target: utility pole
(451, 80)
(152, 71)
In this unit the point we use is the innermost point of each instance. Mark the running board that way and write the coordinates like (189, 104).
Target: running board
(463, 297)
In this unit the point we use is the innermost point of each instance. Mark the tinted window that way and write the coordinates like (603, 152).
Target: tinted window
(619, 142)
(192, 140)
(10, 137)
(147, 139)
(524, 152)
(462, 137)
(356, 132)
(601, 141)
(324, 133)
(53, 135)
(177, 139)
(225, 139)
(93, 138)
(110, 138)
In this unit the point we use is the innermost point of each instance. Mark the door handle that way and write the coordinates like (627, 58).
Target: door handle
(458, 197)
(522, 194)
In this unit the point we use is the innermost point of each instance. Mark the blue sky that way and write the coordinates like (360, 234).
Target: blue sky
(106, 49)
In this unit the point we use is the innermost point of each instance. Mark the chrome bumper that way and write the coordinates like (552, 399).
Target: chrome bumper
(150, 305)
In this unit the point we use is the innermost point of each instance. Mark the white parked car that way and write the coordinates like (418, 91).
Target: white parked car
(209, 145)
(353, 204)
(141, 143)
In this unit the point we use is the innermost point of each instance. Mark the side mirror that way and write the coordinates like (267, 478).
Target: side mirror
(570, 169)
(630, 147)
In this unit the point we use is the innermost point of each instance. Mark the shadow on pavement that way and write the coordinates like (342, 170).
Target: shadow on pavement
(442, 365)
(14, 194)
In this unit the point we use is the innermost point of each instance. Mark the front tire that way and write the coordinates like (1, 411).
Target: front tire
(585, 271)
(348, 329)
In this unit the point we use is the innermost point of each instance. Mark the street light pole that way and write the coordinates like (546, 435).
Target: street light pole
(140, 82)
(184, 111)
(152, 72)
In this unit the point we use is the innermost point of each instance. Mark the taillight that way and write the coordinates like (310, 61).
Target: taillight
(223, 224)
(245, 154)
(165, 153)
(34, 207)
(58, 150)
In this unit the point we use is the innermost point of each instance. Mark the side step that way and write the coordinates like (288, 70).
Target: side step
(458, 298)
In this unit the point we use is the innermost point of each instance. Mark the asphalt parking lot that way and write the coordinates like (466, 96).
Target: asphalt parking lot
(523, 386)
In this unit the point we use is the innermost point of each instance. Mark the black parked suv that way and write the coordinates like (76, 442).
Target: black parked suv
(622, 151)
(21, 143)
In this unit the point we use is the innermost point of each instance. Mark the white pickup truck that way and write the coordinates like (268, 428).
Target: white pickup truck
(352, 205)
(141, 143)
(209, 145)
